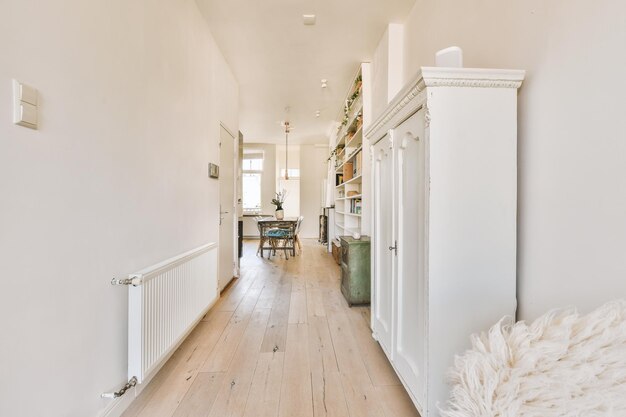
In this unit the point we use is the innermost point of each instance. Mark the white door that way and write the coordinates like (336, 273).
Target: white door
(382, 291)
(410, 278)
(227, 222)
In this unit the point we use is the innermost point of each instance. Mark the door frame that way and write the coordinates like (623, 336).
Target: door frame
(234, 207)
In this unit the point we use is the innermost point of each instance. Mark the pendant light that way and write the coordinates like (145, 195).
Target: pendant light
(286, 150)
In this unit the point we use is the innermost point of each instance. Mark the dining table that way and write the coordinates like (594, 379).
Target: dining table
(266, 224)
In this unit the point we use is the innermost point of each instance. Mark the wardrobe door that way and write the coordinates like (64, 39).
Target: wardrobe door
(410, 230)
(382, 288)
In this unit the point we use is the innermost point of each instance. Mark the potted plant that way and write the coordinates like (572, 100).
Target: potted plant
(278, 202)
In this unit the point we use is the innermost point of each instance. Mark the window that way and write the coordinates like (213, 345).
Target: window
(252, 172)
(293, 173)
(251, 192)
(252, 164)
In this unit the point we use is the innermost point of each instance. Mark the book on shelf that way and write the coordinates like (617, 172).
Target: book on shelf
(347, 171)
(356, 164)
(355, 206)
(339, 179)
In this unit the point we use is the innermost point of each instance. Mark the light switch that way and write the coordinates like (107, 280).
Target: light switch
(25, 102)
(28, 115)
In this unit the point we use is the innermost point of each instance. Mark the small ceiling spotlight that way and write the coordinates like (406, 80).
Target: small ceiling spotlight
(308, 19)
(317, 113)
(324, 83)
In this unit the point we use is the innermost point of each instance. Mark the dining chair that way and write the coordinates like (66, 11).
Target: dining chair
(282, 238)
(297, 234)
(262, 235)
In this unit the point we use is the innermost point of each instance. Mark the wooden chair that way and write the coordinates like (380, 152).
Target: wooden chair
(297, 234)
(262, 235)
(283, 238)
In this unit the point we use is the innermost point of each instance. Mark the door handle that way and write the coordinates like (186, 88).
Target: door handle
(395, 247)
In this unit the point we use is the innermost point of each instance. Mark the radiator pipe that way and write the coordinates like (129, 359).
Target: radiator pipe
(134, 280)
(131, 383)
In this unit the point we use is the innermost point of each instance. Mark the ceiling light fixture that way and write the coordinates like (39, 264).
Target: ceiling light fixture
(317, 113)
(308, 19)
(324, 83)
(287, 129)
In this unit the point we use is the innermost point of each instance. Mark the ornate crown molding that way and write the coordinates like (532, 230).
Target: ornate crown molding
(461, 82)
(410, 97)
(398, 104)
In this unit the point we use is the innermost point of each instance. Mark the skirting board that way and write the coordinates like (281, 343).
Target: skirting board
(117, 406)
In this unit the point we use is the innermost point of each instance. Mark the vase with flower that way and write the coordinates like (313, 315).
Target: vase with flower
(278, 201)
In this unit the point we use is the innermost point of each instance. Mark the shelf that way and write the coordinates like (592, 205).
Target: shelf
(357, 139)
(357, 106)
(355, 180)
(348, 230)
(338, 170)
(353, 154)
(352, 117)
(350, 143)
(352, 230)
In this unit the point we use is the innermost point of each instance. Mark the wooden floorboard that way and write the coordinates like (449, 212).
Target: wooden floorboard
(280, 342)
(264, 397)
(201, 395)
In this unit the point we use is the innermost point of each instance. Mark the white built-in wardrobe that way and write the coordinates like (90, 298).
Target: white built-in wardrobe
(444, 187)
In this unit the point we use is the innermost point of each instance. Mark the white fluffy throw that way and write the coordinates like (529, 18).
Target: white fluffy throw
(562, 365)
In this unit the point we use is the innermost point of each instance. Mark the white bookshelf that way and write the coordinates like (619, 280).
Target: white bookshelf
(350, 159)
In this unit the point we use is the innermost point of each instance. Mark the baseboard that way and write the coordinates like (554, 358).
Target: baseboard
(117, 406)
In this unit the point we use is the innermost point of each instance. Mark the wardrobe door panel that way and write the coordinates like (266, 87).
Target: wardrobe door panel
(382, 313)
(410, 230)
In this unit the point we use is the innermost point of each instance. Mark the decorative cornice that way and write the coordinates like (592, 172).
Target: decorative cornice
(430, 77)
(462, 82)
(471, 77)
(395, 109)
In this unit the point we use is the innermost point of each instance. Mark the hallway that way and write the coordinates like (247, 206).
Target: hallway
(280, 342)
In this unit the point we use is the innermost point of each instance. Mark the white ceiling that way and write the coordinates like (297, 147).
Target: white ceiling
(279, 62)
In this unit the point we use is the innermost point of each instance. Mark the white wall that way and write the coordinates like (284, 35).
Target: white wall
(387, 68)
(572, 152)
(313, 171)
(115, 180)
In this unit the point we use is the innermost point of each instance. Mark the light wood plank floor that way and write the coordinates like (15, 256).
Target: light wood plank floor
(281, 342)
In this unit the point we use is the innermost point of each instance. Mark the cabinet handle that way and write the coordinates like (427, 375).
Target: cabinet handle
(395, 247)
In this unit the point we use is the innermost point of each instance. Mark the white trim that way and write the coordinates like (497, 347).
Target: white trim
(118, 406)
(410, 98)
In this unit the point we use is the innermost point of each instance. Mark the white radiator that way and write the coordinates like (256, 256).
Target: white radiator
(165, 302)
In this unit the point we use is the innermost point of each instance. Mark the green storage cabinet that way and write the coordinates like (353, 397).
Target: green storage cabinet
(355, 269)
